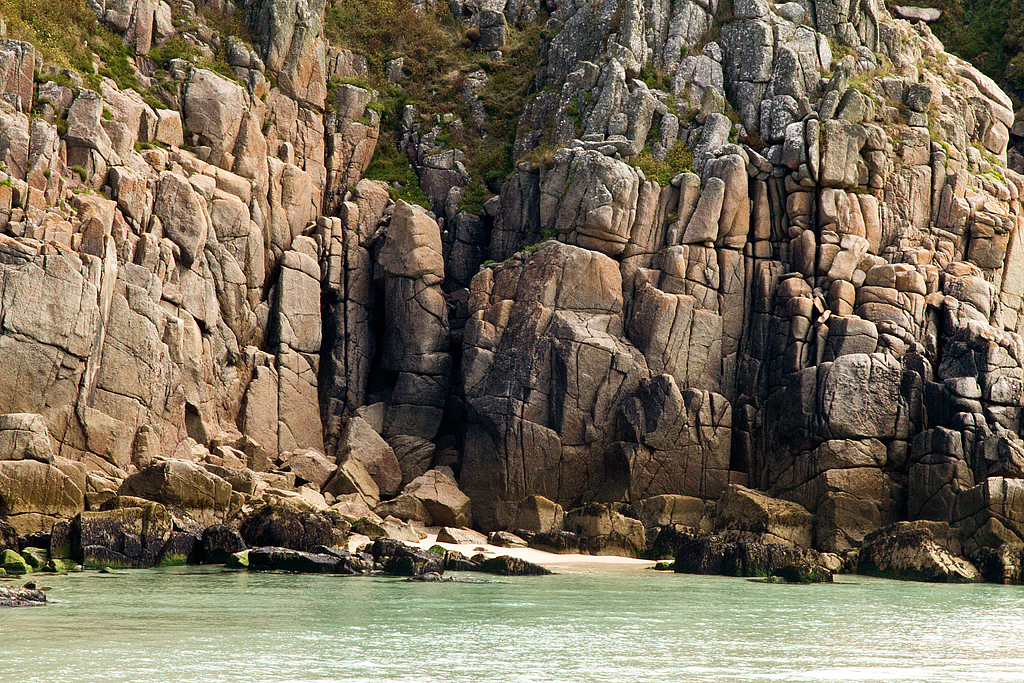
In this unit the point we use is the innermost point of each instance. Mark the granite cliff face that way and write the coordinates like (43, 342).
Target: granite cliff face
(772, 246)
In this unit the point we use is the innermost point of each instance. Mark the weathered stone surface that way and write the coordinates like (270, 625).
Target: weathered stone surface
(221, 542)
(778, 521)
(714, 555)
(506, 565)
(539, 515)
(321, 561)
(362, 442)
(24, 436)
(181, 485)
(441, 496)
(182, 215)
(13, 596)
(458, 536)
(907, 550)
(131, 533)
(213, 111)
(351, 477)
(34, 494)
(289, 526)
(399, 559)
(606, 531)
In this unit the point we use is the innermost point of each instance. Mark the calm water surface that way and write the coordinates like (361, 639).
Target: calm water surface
(586, 624)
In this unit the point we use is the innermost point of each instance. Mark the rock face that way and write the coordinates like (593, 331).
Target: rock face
(774, 293)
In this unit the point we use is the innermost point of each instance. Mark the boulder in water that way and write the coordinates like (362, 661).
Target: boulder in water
(909, 551)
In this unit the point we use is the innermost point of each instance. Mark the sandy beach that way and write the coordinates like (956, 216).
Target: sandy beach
(544, 559)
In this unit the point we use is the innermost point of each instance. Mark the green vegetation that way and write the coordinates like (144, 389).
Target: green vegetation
(438, 55)
(988, 33)
(679, 159)
(82, 173)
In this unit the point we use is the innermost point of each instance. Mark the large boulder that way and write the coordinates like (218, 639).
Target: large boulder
(506, 565)
(182, 215)
(909, 551)
(701, 554)
(441, 496)
(362, 442)
(311, 467)
(293, 46)
(132, 533)
(287, 525)
(323, 561)
(773, 520)
(658, 511)
(221, 542)
(33, 494)
(214, 108)
(606, 531)
(181, 485)
(539, 515)
(351, 477)
(399, 559)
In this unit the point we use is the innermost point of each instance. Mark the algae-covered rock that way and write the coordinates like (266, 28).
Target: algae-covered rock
(14, 563)
(35, 557)
(239, 560)
(59, 565)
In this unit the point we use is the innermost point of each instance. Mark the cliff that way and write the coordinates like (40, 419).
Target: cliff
(672, 249)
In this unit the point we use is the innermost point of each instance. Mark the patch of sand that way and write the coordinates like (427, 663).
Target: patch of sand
(544, 559)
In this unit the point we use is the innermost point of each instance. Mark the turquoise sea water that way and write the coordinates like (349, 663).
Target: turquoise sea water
(586, 624)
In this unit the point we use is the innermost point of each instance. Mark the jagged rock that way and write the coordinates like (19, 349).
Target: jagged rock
(907, 550)
(556, 542)
(182, 215)
(311, 467)
(8, 536)
(714, 555)
(407, 507)
(34, 494)
(558, 309)
(925, 14)
(131, 533)
(505, 539)
(213, 110)
(13, 596)
(351, 477)
(294, 48)
(362, 442)
(322, 561)
(596, 209)
(663, 510)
